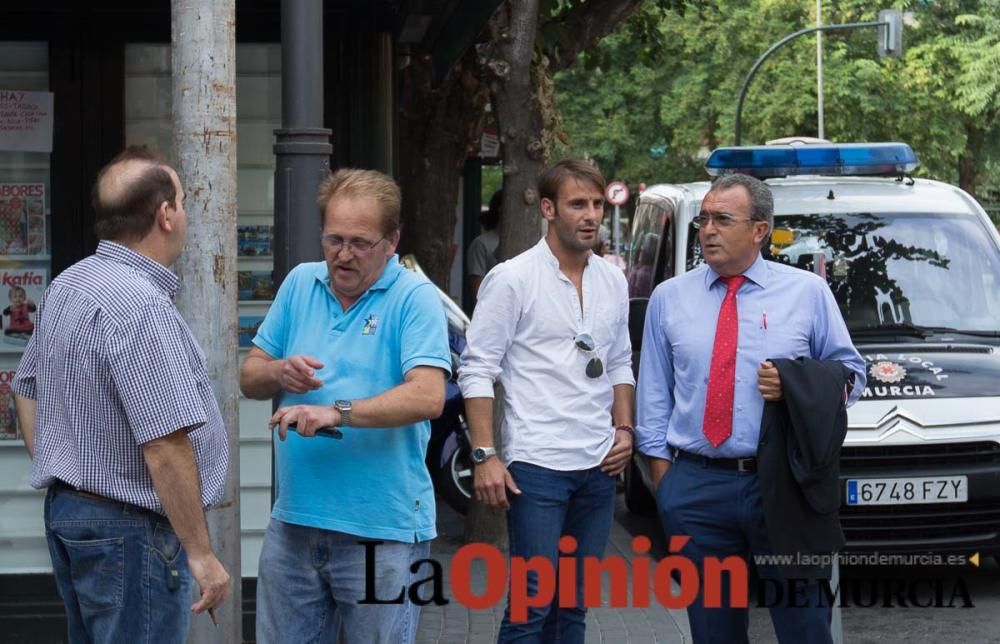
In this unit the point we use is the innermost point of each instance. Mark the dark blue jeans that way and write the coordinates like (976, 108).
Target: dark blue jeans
(120, 569)
(721, 510)
(553, 504)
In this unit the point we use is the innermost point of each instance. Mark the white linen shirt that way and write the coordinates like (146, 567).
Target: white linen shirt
(526, 319)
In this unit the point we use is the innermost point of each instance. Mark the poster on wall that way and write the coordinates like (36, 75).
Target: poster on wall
(25, 121)
(21, 287)
(8, 415)
(254, 241)
(22, 218)
(255, 285)
(248, 329)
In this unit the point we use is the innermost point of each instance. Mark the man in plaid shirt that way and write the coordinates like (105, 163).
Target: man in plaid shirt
(119, 417)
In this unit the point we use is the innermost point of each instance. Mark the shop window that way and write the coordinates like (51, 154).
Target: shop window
(25, 264)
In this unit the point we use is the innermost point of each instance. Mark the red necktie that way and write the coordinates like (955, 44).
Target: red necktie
(718, 420)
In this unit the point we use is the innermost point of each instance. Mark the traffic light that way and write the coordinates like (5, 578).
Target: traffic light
(890, 33)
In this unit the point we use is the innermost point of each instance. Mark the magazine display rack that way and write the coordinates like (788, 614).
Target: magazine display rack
(255, 280)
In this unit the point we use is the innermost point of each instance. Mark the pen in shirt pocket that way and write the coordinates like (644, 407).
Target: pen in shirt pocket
(764, 320)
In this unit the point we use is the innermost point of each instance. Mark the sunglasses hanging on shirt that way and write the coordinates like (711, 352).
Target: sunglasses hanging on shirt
(586, 344)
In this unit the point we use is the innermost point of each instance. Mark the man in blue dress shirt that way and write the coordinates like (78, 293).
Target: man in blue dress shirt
(702, 388)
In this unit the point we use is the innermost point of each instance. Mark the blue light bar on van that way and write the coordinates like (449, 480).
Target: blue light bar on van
(763, 161)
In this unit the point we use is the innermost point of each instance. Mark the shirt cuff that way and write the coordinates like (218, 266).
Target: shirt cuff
(428, 361)
(25, 388)
(654, 445)
(475, 386)
(621, 376)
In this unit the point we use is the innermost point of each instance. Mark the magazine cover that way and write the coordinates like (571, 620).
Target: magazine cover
(20, 289)
(255, 285)
(248, 329)
(8, 416)
(22, 218)
(254, 241)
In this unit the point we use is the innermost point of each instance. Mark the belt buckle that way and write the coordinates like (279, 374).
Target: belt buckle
(744, 465)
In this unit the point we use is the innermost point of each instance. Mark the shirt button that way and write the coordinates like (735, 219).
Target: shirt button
(739, 380)
(739, 407)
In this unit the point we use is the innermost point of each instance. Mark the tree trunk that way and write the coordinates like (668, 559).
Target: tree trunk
(971, 162)
(439, 126)
(514, 28)
(484, 524)
(203, 61)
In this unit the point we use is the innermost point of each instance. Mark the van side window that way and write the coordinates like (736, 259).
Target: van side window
(653, 221)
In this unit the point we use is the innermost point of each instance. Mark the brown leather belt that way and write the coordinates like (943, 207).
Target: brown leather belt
(66, 487)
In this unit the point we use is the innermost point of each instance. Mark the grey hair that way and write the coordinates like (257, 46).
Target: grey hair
(761, 201)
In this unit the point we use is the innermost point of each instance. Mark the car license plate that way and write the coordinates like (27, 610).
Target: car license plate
(903, 491)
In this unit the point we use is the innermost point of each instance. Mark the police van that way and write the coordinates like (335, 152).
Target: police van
(915, 266)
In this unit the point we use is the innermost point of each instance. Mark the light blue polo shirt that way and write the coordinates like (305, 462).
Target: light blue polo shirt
(373, 483)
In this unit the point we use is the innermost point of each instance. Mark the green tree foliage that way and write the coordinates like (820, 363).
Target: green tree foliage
(671, 75)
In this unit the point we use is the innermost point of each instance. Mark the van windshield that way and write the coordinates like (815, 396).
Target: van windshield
(923, 271)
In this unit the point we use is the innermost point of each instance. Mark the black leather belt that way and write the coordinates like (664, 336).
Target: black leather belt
(748, 464)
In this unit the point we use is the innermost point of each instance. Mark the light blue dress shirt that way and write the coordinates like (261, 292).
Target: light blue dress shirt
(784, 312)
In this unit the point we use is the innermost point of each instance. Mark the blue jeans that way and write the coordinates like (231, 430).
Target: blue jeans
(311, 581)
(120, 570)
(721, 510)
(553, 504)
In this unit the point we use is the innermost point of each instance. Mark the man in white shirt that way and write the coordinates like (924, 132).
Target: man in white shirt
(552, 325)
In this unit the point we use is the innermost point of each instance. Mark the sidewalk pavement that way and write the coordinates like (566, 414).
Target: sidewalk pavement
(453, 623)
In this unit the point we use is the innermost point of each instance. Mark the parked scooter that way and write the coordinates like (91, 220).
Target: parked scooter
(449, 451)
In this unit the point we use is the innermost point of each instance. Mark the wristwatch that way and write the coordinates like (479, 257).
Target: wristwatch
(344, 407)
(481, 454)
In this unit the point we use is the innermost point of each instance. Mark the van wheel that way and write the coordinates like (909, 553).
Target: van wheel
(638, 499)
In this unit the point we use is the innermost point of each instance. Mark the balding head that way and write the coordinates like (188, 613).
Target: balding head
(128, 192)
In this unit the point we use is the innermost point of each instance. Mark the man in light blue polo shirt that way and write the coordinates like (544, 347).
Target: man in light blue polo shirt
(359, 343)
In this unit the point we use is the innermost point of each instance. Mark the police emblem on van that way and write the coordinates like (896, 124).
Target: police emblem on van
(885, 371)
(371, 325)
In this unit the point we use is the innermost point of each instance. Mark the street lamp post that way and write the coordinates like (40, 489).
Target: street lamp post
(890, 22)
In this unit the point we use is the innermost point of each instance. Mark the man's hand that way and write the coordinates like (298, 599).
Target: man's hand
(306, 418)
(492, 480)
(617, 459)
(769, 382)
(658, 468)
(297, 374)
(212, 579)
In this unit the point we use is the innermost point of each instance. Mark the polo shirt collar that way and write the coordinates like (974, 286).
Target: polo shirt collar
(758, 273)
(161, 276)
(393, 269)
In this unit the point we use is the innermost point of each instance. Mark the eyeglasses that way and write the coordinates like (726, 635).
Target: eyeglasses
(358, 246)
(722, 220)
(586, 343)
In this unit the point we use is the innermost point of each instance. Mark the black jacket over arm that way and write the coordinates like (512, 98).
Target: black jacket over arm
(798, 461)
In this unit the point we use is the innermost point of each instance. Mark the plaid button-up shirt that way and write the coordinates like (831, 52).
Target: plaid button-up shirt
(111, 366)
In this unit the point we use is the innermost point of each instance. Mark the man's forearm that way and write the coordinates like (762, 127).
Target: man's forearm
(259, 378)
(479, 414)
(174, 471)
(623, 405)
(419, 398)
(657, 469)
(26, 421)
